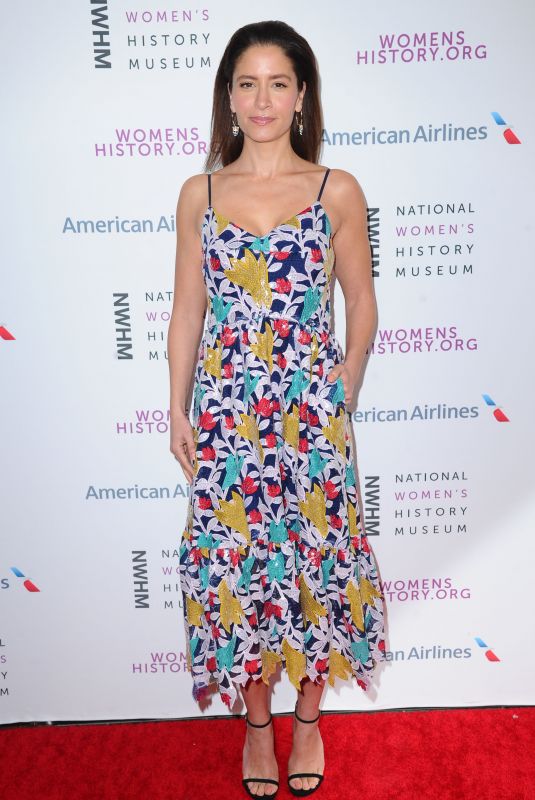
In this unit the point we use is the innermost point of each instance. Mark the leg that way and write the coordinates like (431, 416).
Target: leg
(258, 753)
(307, 749)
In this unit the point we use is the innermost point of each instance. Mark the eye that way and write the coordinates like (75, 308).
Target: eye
(280, 83)
(245, 83)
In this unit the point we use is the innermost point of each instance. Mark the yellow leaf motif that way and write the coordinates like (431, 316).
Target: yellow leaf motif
(312, 610)
(269, 663)
(295, 221)
(253, 276)
(339, 666)
(194, 611)
(355, 602)
(313, 507)
(232, 513)
(335, 431)
(328, 262)
(222, 222)
(263, 347)
(212, 360)
(231, 610)
(368, 592)
(290, 426)
(295, 663)
(248, 428)
(314, 350)
(354, 529)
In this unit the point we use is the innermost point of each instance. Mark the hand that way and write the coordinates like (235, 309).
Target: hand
(183, 444)
(343, 372)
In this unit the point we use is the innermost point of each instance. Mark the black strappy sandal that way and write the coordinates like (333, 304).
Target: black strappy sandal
(304, 792)
(246, 781)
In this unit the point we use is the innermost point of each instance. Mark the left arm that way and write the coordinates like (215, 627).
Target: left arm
(353, 269)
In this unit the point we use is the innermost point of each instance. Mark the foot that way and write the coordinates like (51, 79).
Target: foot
(307, 753)
(259, 760)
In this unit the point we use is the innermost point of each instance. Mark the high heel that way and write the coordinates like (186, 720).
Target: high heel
(246, 781)
(304, 792)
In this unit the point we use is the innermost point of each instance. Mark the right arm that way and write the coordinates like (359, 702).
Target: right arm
(187, 319)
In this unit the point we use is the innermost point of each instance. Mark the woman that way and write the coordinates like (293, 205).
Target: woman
(275, 569)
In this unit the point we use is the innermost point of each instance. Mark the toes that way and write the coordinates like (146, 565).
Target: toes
(297, 783)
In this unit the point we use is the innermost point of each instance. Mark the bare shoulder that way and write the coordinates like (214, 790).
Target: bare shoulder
(345, 189)
(192, 200)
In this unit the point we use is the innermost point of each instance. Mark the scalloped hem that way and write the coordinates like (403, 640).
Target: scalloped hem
(229, 695)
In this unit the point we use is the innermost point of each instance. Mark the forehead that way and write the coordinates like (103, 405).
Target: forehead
(268, 59)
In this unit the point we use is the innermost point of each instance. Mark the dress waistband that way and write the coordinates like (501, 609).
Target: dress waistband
(314, 322)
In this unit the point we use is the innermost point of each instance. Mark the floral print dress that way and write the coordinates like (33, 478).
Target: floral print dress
(274, 565)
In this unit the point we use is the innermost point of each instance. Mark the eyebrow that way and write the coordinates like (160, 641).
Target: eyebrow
(279, 75)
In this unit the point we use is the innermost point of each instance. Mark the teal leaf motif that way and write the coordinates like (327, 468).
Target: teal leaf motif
(233, 466)
(220, 308)
(249, 384)
(205, 540)
(326, 566)
(225, 655)
(310, 303)
(350, 475)
(193, 642)
(299, 381)
(275, 567)
(205, 577)
(261, 244)
(278, 531)
(245, 577)
(361, 650)
(316, 463)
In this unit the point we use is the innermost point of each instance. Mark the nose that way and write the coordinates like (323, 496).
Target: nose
(263, 99)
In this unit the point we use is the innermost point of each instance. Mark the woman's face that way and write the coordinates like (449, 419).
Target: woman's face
(264, 92)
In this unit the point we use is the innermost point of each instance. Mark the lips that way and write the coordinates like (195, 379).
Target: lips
(262, 120)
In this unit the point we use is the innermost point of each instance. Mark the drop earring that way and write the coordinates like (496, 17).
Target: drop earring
(300, 126)
(235, 126)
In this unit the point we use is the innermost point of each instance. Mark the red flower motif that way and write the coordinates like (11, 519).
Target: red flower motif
(234, 557)
(229, 422)
(245, 337)
(336, 521)
(204, 503)
(330, 490)
(228, 336)
(283, 286)
(348, 626)
(303, 445)
(314, 556)
(208, 453)
(220, 552)
(270, 440)
(320, 370)
(254, 515)
(315, 253)
(355, 541)
(303, 409)
(282, 326)
(211, 664)
(364, 544)
(282, 471)
(273, 489)
(281, 255)
(216, 633)
(341, 556)
(275, 405)
(362, 684)
(206, 421)
(304, 336)
(215, 263)
(263, 579)
(293, 535)
(272, 610)
(248, 485)
(228, 369)
(225, 698)
(252, 620)
(322, 664)
(281, 361)
(381, 644)
(313, 419)
(264, 407)
(324, 336)
(195, 555)
(251, 666)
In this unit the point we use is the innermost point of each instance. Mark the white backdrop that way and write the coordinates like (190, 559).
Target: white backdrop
(92, 501)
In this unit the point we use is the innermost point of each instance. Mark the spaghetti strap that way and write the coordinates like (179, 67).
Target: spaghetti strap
(209, 190)
(323, 184)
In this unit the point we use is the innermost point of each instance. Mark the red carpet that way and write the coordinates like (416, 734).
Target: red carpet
(482, 754)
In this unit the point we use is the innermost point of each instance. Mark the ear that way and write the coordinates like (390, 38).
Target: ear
(300, 96)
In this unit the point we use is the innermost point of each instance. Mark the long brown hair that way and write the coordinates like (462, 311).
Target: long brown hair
(224, 147)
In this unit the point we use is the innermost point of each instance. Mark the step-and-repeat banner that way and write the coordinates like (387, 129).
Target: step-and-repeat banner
(106, 113)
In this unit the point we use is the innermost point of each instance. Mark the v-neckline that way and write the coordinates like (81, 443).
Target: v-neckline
(276, 227)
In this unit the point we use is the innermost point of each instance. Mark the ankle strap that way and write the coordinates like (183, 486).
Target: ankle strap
(262, 725)
(306, 720)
